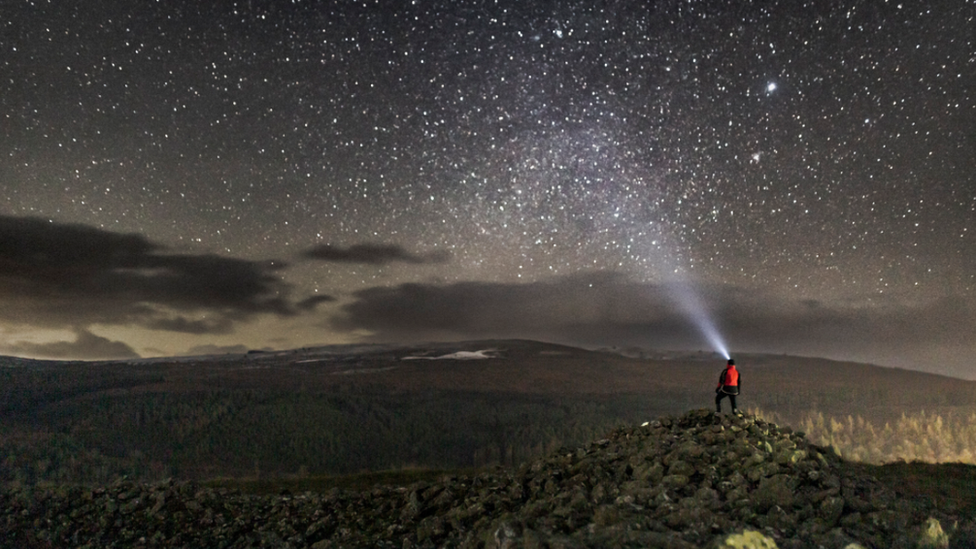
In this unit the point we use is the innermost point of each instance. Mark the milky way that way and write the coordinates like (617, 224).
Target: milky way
(809, 165)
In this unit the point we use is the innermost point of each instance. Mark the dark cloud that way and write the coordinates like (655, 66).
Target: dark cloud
(374, 254)
(218, 325)
(310, 303)
(87, 346)
(606, 309)
(54, 274)
(597, 304)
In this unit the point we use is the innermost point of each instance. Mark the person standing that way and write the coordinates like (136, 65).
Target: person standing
(729, 384)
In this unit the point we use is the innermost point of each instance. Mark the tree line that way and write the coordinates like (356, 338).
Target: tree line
(948, 437)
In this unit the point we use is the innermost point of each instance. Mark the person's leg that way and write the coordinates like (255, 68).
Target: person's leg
(735, 408)
(718, 402)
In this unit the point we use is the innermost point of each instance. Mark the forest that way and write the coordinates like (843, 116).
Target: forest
(253, 434)
(93, 424)
(921, 436)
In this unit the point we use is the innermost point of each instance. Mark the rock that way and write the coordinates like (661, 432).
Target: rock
(931, 536)
(691, 481)
(774, 491)
(748, 539)
(831, 510)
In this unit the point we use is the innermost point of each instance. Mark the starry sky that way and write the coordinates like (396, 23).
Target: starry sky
(205, 177)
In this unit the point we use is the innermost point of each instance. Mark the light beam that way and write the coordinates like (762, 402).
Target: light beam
(690, 303)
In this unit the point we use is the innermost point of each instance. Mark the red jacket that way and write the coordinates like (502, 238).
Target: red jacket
(730, 379)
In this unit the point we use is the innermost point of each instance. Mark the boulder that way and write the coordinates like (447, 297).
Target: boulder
(748, 539)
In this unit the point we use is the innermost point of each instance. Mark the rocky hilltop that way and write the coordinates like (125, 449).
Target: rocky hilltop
(698, 480)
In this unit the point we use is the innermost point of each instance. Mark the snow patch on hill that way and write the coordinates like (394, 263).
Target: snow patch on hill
(460, 355)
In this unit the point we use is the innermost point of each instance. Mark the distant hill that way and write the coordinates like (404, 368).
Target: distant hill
(512, 366)
(349, 408)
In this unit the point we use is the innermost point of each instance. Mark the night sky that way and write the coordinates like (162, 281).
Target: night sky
(206, 177)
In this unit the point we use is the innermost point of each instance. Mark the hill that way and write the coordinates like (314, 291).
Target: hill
(690, 481)
(345, 409)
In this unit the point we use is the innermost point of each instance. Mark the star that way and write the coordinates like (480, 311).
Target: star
(352, 164)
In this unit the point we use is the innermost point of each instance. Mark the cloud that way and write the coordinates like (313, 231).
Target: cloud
(595, 305)
(54, 274)
(310, 303)
(374, 254)
(87, 346)
(218, 325)
(608, 309)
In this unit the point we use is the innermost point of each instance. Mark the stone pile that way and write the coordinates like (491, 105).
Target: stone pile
(697, 480)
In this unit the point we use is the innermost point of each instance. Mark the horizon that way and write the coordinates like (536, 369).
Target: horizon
(449, 350)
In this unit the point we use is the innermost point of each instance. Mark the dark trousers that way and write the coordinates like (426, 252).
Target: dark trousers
(718, 401)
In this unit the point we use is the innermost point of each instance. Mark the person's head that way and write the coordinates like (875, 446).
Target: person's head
(731, 362)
